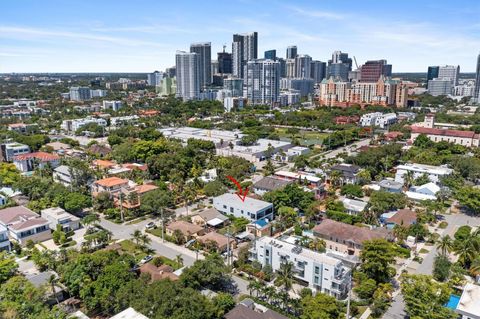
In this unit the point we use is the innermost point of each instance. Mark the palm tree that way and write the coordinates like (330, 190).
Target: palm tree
(445, 245)
(179, 260)
(90, 220)
(408, 179)
(335, 178)
(285, 275)
(475, 267)
(467, 249)
(137, 236)
(52, 281)
(400, 232)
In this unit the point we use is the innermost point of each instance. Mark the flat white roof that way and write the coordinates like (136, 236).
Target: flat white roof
(306, 253)
(250, 204)
(469, 303)
(299, 175)
(261, 146)
(129, 313)
(419, 196)
(438, 170)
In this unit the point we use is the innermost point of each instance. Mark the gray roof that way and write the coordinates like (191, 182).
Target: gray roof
(243, 312)
(63, 169)
(271, 183)
(212, 213)
(386, 183)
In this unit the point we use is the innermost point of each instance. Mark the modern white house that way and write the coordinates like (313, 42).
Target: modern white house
(24, 225)
(353, 206)
(73, 125)
(252, 209)
(10, 150)
(4, 241)
(58, 216)
(434, 173)
(469, 306)
(319, 271)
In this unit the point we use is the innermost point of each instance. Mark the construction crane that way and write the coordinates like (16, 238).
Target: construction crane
(355, 59)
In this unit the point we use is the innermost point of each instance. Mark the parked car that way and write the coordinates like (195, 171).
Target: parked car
(150, 225)
(146, 259)
(190, 243)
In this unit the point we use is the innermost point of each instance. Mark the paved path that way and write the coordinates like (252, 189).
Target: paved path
(397, 308)
(166, 249)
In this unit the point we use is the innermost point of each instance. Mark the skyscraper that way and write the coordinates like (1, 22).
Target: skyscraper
(79, 93)
(476, 95)
(204, 53)
(244, 48)
(271, 55)
(262, 82)
(339, 66)
(224, 62)
(290, 68)
(318, 71)
(154, 78)
(188, 77)
(291, 52)
(449, 72)
(302, 66)
(371, 71)
(283, 67)
(432, 73)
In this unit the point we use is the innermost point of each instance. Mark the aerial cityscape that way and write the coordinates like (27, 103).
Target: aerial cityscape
(241, 160)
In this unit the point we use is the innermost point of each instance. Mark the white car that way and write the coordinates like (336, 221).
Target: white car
(150, 225)
(145, 259)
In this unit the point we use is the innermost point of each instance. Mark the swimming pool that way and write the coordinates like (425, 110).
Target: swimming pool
(453, 302)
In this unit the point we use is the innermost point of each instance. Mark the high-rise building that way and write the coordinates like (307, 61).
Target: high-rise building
(188, 77)
(432, 73)
(476, 94)
(78, 93)
(171, 72)
(153, 79)
(339, 66)
(244, 49)
(283, 67)
(449, 72)
(233, 86)
(224, 62)
(371, 71)
(167, 86)
(440, 86)
(204, 53)
(304, 86)
(214, 67)
(262, 82)
(290, 68)
(318, 71)
(291, 52)
(271, 55)
(303, 66)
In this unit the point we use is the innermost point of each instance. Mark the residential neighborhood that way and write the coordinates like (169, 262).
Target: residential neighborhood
(239, 184)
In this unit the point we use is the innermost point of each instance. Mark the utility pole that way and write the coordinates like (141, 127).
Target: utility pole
(228, 246)
(348, 298)
(163, 227)
(121, 205)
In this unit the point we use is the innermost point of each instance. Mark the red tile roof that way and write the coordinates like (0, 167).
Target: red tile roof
(442, 132)
(111, 181)
(145, 188)
(42, 156)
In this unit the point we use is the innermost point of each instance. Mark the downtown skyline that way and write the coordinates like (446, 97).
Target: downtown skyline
(123, 37)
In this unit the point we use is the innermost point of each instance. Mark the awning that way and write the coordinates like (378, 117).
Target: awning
(215, 222)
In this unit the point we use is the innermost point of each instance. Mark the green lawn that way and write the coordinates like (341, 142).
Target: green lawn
(304, 137)
(129, 247)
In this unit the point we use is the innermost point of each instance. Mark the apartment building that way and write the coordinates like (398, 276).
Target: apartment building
(251, 209)
(31, 161)
(434, 173)
(318, 271)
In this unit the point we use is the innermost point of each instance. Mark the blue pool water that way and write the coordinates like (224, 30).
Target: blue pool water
(453, 302)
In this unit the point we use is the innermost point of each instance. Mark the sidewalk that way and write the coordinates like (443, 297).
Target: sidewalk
(181, 250)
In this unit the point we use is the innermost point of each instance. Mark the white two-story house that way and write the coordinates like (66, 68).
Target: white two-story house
(23, 225)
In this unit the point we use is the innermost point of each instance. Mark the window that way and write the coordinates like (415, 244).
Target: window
(267, 253)
(231, 209)
(317, 270)
(225, 206)
(315, 280)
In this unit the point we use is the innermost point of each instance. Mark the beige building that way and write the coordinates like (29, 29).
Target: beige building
(345, 238)
(187, 229)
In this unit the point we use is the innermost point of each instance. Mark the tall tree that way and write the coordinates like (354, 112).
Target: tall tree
(377, 258)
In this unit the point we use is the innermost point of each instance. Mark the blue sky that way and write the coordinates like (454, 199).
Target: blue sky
(143, 35)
